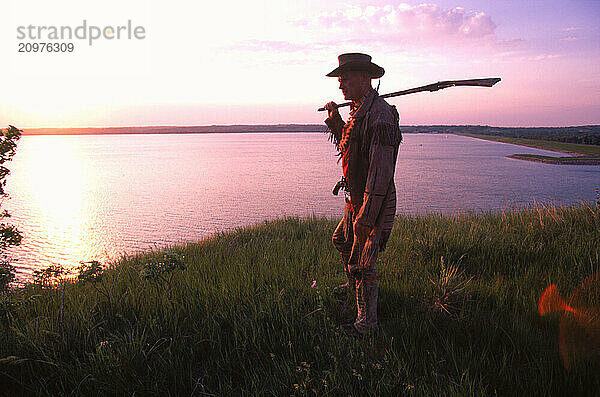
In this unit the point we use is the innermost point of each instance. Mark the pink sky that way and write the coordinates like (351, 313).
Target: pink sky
(265, 62)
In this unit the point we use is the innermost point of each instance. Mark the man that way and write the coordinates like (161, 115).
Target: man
(368, 146)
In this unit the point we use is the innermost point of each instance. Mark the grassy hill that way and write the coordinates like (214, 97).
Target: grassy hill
(235, 314)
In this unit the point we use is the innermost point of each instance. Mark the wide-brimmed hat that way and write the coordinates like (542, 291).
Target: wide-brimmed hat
(357, 61)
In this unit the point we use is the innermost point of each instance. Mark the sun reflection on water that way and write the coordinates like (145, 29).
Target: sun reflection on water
(58, 193)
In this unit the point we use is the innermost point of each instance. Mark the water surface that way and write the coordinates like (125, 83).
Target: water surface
(80, 198)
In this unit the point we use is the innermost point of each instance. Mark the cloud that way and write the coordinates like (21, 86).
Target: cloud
(426, 29)
(544, 57)
(281, 46)
(424, 24)
(269, 45)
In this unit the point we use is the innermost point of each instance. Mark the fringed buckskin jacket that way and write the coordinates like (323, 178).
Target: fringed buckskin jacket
(368, 145)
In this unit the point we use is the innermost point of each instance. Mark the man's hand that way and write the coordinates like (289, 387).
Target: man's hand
(361, 231)
(332, 109)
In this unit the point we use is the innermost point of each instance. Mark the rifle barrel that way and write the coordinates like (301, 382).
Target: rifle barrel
(489, 82)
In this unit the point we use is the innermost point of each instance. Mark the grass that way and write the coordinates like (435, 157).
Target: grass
(575, 148)
(241, 317)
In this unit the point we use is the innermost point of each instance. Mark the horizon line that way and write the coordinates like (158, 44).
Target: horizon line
(294, 124)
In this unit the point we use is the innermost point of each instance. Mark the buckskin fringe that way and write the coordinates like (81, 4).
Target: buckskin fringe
(332, 138)
(386, 134)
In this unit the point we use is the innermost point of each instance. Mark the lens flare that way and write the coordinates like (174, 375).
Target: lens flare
(579, 332)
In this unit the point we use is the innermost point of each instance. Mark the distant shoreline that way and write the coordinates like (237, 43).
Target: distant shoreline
(205, 129)
(556, 160)
(282, 128)
(579, 154)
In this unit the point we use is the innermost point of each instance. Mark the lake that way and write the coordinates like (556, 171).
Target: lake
(78, 198)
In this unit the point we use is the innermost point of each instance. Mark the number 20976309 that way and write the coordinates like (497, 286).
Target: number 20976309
(46, 47)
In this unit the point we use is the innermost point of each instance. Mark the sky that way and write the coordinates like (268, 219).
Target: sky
(264, 62)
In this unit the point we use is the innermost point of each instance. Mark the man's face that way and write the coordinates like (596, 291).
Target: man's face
(352, 84)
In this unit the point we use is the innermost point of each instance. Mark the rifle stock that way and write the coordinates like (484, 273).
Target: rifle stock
(489, 82)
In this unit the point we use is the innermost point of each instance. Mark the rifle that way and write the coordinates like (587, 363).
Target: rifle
(434, 87)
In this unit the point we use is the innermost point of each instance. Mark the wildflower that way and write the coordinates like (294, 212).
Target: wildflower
(314, 284)
(357, 374)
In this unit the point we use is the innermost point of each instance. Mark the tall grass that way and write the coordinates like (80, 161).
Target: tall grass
(242, 319)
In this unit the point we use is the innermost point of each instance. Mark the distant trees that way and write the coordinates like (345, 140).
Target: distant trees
(9, 234)
(587, 134)
(587, 139)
